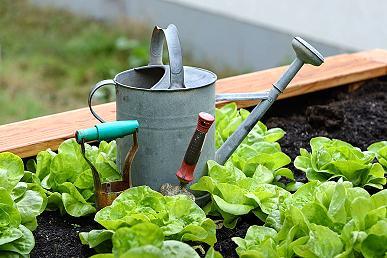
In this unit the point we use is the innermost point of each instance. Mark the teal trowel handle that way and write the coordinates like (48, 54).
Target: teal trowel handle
(107, 131)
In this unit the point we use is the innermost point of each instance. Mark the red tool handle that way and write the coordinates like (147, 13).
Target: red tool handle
(191, 157)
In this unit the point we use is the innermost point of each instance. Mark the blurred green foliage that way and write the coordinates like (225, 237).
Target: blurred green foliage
(50, 58)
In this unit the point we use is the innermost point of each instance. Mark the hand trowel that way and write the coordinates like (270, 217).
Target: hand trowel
(185, 174)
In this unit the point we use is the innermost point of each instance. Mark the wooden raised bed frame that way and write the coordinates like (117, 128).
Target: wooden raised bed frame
(27, 138)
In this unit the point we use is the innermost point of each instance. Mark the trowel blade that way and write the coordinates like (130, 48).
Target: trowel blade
(171, 190)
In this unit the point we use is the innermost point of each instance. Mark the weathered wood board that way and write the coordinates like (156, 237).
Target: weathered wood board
(27, 138)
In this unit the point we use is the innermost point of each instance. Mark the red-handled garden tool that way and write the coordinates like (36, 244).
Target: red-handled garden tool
(185, 174)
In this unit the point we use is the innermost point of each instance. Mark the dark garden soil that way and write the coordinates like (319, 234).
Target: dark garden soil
(356, 116)
(57, 236)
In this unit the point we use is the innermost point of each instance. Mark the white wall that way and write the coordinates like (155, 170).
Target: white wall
(353, 24)
(207, 31)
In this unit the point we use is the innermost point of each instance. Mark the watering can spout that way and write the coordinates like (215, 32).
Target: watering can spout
(305, 54)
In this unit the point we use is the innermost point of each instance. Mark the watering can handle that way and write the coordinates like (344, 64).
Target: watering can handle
(171, 36)
(91, 94)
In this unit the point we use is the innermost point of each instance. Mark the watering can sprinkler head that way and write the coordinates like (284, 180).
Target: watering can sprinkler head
(106, 192)
(306, 53)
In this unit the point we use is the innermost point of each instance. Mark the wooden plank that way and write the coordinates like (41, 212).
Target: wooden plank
(27, 138)
(337, 70)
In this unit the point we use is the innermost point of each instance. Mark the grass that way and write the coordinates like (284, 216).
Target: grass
(50, 58)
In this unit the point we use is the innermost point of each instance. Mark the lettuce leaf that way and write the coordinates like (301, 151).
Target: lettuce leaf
(330, 219)
(11, 170)
(259, 153)
(68, 179)
(228, 119)
(333, 159)
(264, 161)
(380, 150)
(142, 234)
(234, 194)
(176, 217)
(20, 204)
(147, 240)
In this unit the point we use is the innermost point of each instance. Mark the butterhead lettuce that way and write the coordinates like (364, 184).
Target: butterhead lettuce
(330, 219)
(20, 204)
(177, 217)
(67, 177)
(380, 150)
(146, 240)
(332, 159)
(234, 194)
(228, 119)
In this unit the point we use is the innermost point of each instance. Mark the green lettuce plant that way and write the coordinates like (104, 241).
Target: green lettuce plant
(178, 217)
(333, 159)
(259, 152)
(330, 219)
(234, 194)
(20, 204)
(67, 178)
(266, 161)
(380, 150)
(228, 119)
(147, 240)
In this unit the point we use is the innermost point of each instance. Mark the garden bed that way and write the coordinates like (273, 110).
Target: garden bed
(356, 116)
(353, 114)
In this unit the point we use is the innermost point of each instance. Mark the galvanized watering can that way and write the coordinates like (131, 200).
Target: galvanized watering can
(166, 100)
